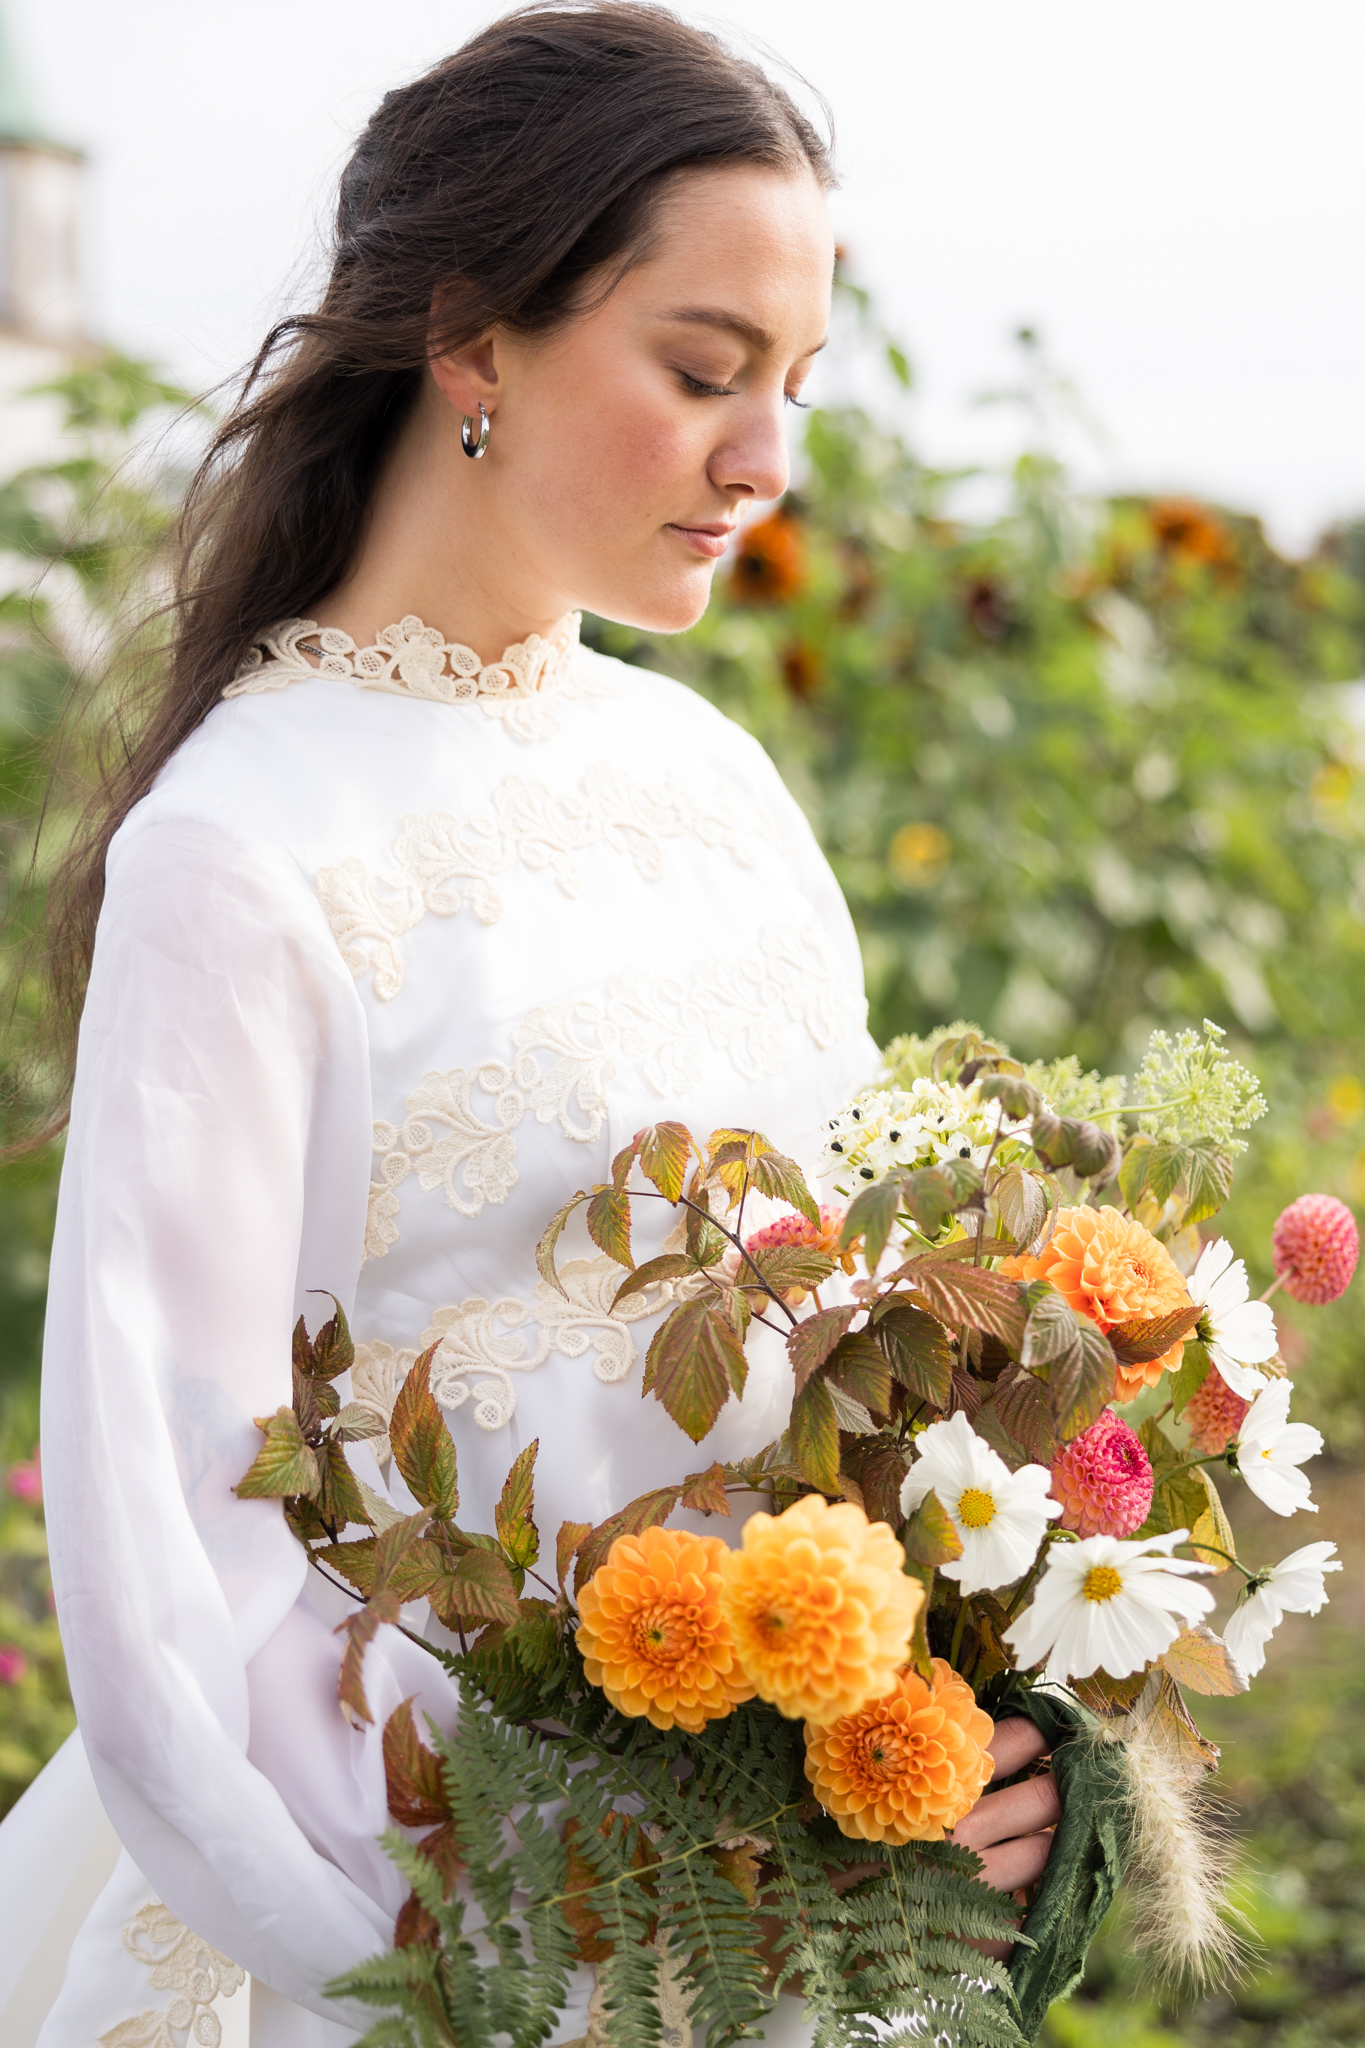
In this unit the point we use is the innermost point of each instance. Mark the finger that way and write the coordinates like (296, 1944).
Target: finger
(1018, 1810)
(1010, 1866)
(1015, 1743)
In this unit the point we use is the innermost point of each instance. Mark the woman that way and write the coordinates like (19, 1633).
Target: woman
(412, 911)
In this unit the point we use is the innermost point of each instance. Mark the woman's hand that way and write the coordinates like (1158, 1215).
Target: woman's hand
(1011, 1831)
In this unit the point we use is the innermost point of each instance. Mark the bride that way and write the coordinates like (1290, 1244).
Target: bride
(410, 911)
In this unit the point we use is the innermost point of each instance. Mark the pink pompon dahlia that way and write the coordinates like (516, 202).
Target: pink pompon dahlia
(13, 1664)
(1214, 1414)
(798, 1229)
(1103, 1479)
(1315, 1247)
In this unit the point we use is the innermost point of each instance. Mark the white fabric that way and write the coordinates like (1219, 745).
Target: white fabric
(342, 911)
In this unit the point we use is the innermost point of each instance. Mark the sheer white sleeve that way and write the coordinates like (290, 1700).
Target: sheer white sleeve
(217, 1166)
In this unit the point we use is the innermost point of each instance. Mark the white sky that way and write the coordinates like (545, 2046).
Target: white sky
(1169, 190)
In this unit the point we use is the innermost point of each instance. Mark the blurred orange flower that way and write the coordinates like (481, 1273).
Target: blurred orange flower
(653, 1634)
(908, 1766)
(1180, 526)
(820, 1608)
(770, 561)
(1113, 1271)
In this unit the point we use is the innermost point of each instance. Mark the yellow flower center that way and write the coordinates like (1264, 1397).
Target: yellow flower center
(1102, 1582)
(666, 1634)
(975, 1507)
(1269, 1452)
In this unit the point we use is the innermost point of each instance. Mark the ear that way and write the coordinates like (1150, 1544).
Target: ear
(468, 377)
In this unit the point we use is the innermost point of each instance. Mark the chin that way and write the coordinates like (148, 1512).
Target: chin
(665, 607)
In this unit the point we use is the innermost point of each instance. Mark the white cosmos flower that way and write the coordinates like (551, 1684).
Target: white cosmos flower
(1103, 1603)
(1240, 1333)
(1270, 1447)
(1000, 1515)
(1294, 1586)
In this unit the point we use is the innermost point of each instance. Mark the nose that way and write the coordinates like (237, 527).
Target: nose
(752, 461)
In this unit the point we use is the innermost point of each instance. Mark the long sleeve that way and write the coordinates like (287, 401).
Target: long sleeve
(216, 1169)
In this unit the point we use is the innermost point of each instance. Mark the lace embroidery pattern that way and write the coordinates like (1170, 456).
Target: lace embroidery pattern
(566, 1053)
(524, 690)
(483, 1344)
(443, 862)
(195, 1975)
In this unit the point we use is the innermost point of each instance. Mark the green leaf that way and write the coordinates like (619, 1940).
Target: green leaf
(1021, 1200)
(695, 1361)
(355, 1423)
(550, 1236)
(668, 1266)
(1136, 1170)
(284, 1464)
(609, 1224)
(971, 1297)
(478, 1588)
(786, 1267)
(1195, 1367)
(514, 1515)
(1051, 1332)
(917, 1345)
(1208, 1179)
(1081, 1385)
(810, 1342)
(815, 1436)
(423, 1449)
(930, 1536)
(645, 1513)
(664, 1151)
(706, 1242)
(860, 1366)
(781, 1178)
(933, 1195)
(338, 1497)
(1147, 1337)
(870, 1216)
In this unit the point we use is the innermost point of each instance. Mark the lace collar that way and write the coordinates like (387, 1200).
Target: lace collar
(412, 660)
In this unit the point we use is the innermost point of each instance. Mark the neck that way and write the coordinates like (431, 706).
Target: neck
(434, 548)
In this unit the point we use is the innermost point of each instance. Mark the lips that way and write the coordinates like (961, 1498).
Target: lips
(710, 540)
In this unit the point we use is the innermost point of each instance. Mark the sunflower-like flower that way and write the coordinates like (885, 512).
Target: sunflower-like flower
(906, 1767)
(653, 1633)
(1113, 1271)
(820, 1608)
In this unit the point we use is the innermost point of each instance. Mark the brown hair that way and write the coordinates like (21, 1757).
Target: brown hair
(502, 182)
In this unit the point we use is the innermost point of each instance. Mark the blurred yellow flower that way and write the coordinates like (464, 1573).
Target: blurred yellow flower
(908, 1766)
(653, 1634)
(918, 854)
(820, 1608)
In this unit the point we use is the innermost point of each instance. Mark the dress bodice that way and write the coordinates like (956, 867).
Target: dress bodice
(396, 955)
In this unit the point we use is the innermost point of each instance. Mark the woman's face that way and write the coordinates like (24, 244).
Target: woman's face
(625, 445)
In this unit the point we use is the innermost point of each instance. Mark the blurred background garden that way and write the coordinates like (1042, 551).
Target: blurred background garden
(1087, 760)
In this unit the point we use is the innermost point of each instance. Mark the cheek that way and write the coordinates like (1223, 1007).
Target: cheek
(622, 452)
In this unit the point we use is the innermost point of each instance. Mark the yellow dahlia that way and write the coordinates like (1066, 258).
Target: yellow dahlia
(1114, 1271)
(908, 1766)
(653, 1632)
(820, 1608)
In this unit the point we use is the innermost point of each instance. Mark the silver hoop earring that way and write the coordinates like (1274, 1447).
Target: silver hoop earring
(474, 448)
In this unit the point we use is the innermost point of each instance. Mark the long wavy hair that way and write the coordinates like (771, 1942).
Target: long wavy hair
(508, 186)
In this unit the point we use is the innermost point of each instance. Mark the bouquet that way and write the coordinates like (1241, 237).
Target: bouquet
(717, 1770)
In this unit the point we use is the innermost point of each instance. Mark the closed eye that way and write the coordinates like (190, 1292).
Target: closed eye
(702, 390)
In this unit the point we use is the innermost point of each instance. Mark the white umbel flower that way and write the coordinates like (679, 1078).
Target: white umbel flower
(1106, 1604)
(1240, 1333)
(1297, 1585)
(1270, 1448)
(1000, 1515)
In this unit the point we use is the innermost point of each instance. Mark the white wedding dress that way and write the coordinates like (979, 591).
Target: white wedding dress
(396, 955)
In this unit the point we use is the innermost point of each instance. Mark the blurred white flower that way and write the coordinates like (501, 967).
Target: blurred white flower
(1000, 1515)
(1270, 1447)
(1240, 1333)
(1296, 1585)
(1104, 1603)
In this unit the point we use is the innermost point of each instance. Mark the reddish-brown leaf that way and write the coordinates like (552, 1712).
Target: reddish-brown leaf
(814, 1430)
(1021, 1405)
(475, 1588)
(859, 1365)
(810, 1342)
(284, 1465)
(694, 1363)
(930, 1536)
(360, 1630)
(705, 1491)
(513, 1517)
(339, 1498)
(423, 1448)
(668, 1266)
(645, 1513)
(609, 1224)
(1146, 1338)
(917, 1346)
(571, 1535)
(412, 1773)
(550, 1236)
(415, 1927)
(971, 1296)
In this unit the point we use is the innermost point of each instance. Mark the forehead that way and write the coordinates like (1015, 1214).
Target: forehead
(757, 242)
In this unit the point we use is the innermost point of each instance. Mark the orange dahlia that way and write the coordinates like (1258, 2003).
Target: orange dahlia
(1113, 1271)
(820, 1608)
(908, 1766)
(653, 1632)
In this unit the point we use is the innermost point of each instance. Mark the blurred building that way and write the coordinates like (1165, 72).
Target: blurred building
(42, 316)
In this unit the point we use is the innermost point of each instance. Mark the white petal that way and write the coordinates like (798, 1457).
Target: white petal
(1249, 1630)
(1243, 1379)
(1213, 1262)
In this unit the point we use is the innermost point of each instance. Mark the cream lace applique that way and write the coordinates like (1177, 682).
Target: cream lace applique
(376, 1380)
(566, 1053)
(524, 690)
(195, 1974)
(443, 862)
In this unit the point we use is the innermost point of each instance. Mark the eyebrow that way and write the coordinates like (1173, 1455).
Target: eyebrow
(734, 323)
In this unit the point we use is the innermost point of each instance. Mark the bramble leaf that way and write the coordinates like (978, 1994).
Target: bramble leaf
(423, 1448)
(1202, 1662)
(786, 1267)
(973, 1297)
(632, 1520)
(930, 1536)
(360, 1630)
(1195, 1367)
(331, 1352)
(1147, 1337)
(668, 1266)
(513, 1517)
(1081, 1385)
(567, 1544)
(664, 1151)
(478, 1587)
(880, 1469)
(1051, 1332)
(550, 1236)
(355, 1422)
(810, 1342)
(1214, 1529)
(414, 1787)
(338, 1497)
(934, 1194)
(285, 1464)
(814, 1429)
(609, 1224)
(870, 1216)
(917, 1345)
(781, 1178)
(1021, 1405)
(694, 1363)
(705, 1491)
(859, 1365)
(1021, 1200)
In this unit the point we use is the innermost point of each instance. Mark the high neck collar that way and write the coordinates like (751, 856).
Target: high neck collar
(409, 659)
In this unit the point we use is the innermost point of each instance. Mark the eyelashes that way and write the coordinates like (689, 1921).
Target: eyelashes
(699, 389)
